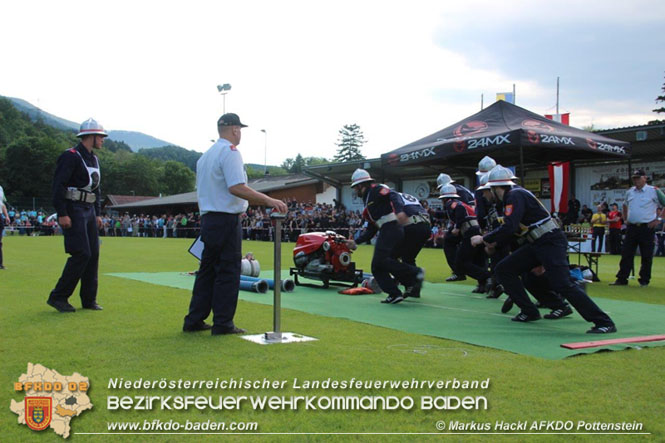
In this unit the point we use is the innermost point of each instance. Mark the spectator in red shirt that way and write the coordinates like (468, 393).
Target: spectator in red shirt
(614, 219)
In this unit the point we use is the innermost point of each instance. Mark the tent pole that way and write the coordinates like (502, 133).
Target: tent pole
(521, 166)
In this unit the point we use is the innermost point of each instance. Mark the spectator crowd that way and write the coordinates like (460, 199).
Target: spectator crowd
(603, 224)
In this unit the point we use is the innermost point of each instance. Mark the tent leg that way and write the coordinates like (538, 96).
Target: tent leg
(521, 166)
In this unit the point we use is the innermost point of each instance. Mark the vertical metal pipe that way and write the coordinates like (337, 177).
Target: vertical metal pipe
(277, 302)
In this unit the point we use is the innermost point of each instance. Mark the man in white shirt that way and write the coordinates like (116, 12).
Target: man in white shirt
(640, 213)
(223, 195)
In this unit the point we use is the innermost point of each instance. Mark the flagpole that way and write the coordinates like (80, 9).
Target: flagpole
(481, 102)
(557, 95)
(514, 97)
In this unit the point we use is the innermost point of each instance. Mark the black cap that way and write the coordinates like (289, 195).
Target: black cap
(230, 119)
(639, 173)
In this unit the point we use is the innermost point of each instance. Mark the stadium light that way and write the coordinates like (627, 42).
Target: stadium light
(224, 89)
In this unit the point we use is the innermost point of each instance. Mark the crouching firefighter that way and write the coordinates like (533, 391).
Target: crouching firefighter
(451, 242)
(465, 226)
(380, 214)
(417, 230)
(546, 245)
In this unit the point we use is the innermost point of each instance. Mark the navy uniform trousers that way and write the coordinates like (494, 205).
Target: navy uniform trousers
(468, 258)
(218, 280)
(643, 236)
(450, 245)
(82, 243)
(550, 251)
(384, 262)
(415, 237)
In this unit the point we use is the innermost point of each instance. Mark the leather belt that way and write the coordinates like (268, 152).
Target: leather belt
(78, 195)
(540, 230)
(468, 225)
(418, 218)
(386, 219)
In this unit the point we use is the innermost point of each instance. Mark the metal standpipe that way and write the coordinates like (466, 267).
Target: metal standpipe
(276, 335)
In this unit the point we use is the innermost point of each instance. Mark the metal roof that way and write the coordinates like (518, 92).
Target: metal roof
(263, 184)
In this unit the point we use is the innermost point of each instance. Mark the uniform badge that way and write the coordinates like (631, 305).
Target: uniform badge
(384, 190)
(453, 205)
(38, 412)
(233, 147)
(508, 210)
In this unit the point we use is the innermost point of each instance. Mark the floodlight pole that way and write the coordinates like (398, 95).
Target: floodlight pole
(265, 152)
(223, 90)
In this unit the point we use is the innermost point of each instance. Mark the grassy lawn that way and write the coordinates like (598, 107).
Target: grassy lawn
(138, 335)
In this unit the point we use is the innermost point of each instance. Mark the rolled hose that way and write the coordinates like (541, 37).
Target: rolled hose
(286, 285)
(260, 286)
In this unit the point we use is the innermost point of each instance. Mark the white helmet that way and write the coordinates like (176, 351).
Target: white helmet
(91, 127)
(485, 165)
(500, 176)
(448, 191)
(483, 181)
(442, 180)
(360, 176)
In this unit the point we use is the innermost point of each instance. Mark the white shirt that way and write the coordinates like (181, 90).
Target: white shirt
(220, 168)
(642, 204)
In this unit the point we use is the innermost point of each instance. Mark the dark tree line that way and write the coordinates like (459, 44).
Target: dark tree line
(29, 150)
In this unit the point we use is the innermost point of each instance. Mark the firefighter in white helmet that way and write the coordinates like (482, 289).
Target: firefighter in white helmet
(451, 242)
(76, 198)
(468, 259)
(381, 217)
(485, 165)
(546, 245)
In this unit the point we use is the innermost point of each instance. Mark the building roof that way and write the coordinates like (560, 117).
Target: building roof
(263, 184)
(116, 199)
(648, 141)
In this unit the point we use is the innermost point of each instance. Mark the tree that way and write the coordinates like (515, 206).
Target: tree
(661, 110)
(29, 164)
(296, 165)
(177, 178)
(350, 140)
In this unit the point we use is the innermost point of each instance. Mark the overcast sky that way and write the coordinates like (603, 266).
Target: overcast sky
(302, 69)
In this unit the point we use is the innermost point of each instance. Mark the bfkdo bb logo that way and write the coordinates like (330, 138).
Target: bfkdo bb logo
(38, 412)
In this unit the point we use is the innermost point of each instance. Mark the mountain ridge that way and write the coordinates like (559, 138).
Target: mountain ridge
(134, 139)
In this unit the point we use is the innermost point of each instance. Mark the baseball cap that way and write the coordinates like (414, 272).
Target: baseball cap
(639, 173)
(230, 119)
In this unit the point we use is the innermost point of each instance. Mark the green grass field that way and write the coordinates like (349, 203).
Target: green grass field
(138, 335)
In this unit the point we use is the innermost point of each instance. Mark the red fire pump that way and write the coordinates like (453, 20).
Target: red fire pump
(324, 256)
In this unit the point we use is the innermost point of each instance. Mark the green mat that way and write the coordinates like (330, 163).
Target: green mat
(450, 311)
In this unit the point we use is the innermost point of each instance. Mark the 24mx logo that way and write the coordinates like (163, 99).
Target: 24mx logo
(556, 139)
(488, 141)
(423, 153)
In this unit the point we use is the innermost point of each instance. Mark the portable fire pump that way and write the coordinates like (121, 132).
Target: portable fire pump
(324, 256)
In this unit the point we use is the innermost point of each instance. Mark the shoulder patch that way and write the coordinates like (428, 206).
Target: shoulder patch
(72, 150)
(508, 209)
(233, 147)
(453, 205)
(384, 190)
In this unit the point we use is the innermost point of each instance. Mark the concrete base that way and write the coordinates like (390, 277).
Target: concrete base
(277, 337)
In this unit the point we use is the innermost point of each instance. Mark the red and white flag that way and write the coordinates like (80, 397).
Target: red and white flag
(561, 118)
(559, 180)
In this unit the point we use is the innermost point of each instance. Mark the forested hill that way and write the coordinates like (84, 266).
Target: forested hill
(135, 140)
(29, 150)
(175, 153)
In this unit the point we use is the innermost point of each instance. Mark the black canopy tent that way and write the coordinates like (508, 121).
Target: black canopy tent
(508, 133)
